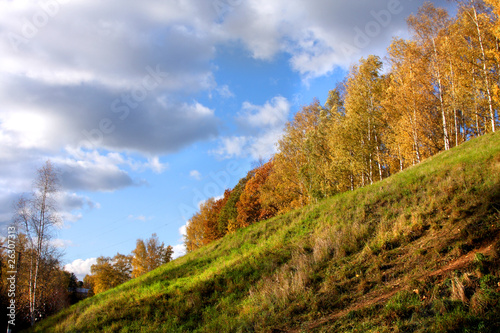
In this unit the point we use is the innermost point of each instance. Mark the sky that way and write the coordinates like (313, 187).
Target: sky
(148, 108)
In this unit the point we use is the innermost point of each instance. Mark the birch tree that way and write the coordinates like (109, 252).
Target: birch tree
(36, 216)
(364, 93)
(478, 22)
(427, 27)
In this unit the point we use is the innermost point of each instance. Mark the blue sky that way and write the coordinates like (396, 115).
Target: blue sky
(150, 107)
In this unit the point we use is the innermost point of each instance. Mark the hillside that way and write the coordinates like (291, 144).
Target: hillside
(417, 252)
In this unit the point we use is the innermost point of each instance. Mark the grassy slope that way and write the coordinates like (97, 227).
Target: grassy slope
(415, 252)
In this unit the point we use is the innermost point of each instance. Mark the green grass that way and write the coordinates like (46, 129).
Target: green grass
(362, 261)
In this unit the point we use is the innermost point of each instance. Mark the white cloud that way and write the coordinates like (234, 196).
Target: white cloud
(225, 92)
(25, 130)
(230, 147)
(263, 125)
(182, 230)
(179, 251)
(195, 174)
(92, 171)
(155, 165)
(61, 243)
(80, 267)
(272, 114)
(264, 146)
(98, 75)
(96, 171)
(71, 206)
(318, 34)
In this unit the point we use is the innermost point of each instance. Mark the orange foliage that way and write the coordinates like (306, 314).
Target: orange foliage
(250, 207)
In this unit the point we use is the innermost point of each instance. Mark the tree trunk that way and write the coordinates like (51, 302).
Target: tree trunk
(485, 69)
(441, 102)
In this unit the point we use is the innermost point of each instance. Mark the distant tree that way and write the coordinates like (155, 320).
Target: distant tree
(149, 255)
(108, 272)
(168, 254)
(88, 283)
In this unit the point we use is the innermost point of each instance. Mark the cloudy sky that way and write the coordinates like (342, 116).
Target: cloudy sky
(150, 107)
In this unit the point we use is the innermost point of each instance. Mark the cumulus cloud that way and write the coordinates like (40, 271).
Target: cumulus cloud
(94, 177)
(105, 75)
(95, 171)
(72, 201)
(272, 114)
(225, 92)
(233, 146)
(263, 126)
(80, 267)
(319, 34)
(182, 230)
(179, 251)
(93, 116)
(72, 206)
(155, 165)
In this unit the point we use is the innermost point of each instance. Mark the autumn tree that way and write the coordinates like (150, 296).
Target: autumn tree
(149, 255)
(478, 23)
(195, 233)
(410, 106)
(329, 155)
(36, 216)
(364, 118)
(289, 186)
(250, 207)
(229, 213)
(428, 27)
(108, 272)
(210, 212)
(495, 4)
(168, 254)
(53, 283)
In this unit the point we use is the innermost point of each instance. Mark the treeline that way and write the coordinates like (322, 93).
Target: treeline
(441, 89)
(108, 272)
(56, 288)
(33, 284)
